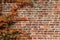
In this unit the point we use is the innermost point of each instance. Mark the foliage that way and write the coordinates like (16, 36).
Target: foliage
(5, 19)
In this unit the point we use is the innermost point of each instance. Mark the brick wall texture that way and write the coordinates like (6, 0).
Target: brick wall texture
(43, 18)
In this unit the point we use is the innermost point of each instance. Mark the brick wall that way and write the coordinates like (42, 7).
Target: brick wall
(43, 19)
